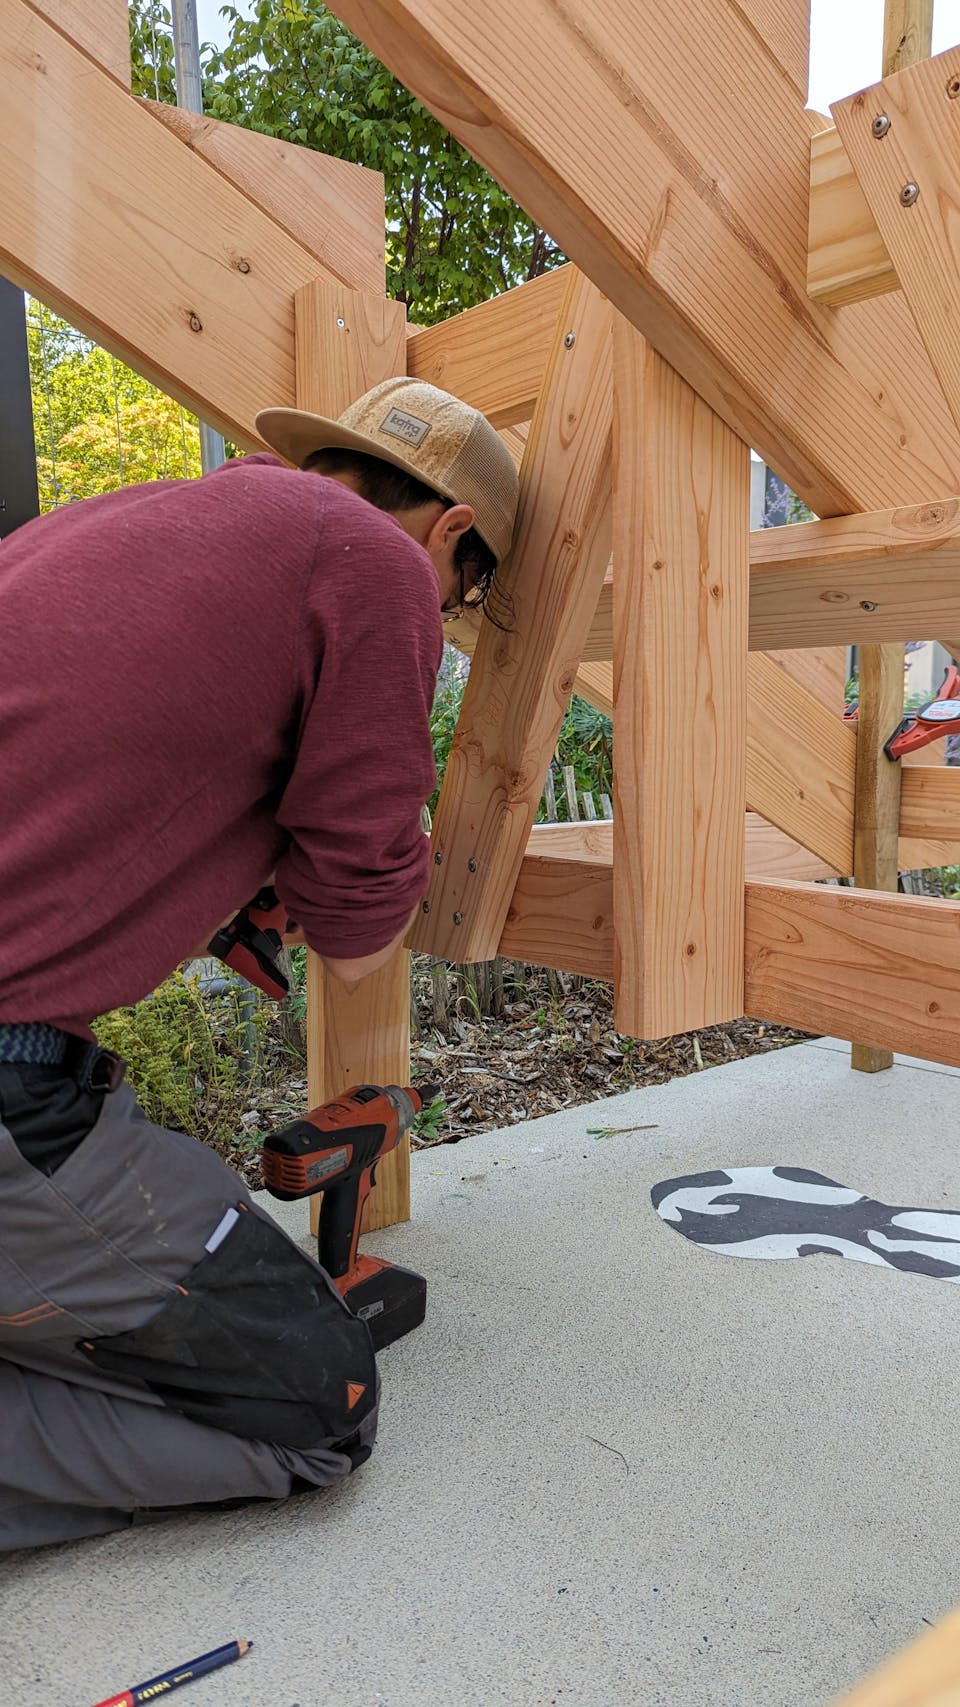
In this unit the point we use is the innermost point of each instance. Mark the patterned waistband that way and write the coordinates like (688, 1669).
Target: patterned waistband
(39, 1045)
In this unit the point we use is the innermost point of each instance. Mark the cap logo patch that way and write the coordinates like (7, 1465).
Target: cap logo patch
(399, 425)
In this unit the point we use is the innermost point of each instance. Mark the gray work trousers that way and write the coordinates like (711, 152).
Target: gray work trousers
(100, 1248)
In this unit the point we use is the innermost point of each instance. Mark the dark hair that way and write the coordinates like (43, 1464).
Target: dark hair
(390, 488)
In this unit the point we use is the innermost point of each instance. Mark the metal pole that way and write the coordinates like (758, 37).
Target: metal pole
(19, 500)
(186, 57)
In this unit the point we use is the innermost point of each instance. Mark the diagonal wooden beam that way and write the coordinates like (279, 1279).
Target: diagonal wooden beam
(100, 27)
(681, 508)
(847, 259)
(909, 176)
(494, 355)
(141, 244)
(522, 676)
(690, 214)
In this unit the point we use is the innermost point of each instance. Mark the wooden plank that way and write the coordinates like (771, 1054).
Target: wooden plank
(690, 213)
(876, 812)
(521, 678)
(561, 915)
(925, 1674)
(847, 259)
(681, 517)
(922, 147)
(875, 968)
(822, 671)
(100, 27)
(494, 356)
(929, 817)
(362, 1035)
(346, 343)
(783, 26)
(800, 757)
(907, 33)
(891, 575)
(331, 208)
(141, 242)
(769, 853)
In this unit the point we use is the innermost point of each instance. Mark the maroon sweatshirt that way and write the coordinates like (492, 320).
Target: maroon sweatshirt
(201, 682)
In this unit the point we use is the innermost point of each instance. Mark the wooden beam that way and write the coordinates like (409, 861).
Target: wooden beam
(521, 678)
(101, 28)
(876, 968)
(921, 148)
(769, 853)
(681, 509)
(929, 817)
(331, 208)
(847, 259)
(907, 33)
(876, 811)
(783, 26)
(690, 214)
(925, 1674)
(494, 356)
(141, 243)
(347, 342)
(561, 915)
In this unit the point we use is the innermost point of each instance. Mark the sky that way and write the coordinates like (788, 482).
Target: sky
(845, 46)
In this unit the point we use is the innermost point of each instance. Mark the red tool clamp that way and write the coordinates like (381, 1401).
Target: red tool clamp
(251, 941)
(941, 716)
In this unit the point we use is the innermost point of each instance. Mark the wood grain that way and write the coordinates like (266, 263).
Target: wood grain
(876, 811)
(521, 679)
(691, 215)
(847, 259)
(921, 147)
(822, 671)
(769, 853)
(100, 27)
(140, 241)
(681, 508)
(783, 27)
(362, 1035)
(330, 207)
(494, 356)
(874, 968)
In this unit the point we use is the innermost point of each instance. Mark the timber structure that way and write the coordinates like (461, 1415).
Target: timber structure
(743, 273)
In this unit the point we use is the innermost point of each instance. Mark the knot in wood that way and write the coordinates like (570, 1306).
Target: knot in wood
(243, 265)
(833, 596)
(953, 88)
(194, 322)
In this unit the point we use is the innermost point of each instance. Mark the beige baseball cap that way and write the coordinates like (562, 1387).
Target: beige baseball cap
(435, 437)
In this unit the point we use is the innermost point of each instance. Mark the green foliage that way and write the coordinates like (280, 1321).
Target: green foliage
(586, 743)
(185, 1059)
(98, 424)
(454, 237)
(428, 1125)
(151, 50)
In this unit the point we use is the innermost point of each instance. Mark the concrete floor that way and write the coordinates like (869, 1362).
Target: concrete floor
(613, 1470)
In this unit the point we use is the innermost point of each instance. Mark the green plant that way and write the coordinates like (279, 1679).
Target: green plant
(185, 1059)
(429, 1122)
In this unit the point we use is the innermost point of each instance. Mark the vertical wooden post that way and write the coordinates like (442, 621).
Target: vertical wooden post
(347, 342)
(907, 38)
(681, 482)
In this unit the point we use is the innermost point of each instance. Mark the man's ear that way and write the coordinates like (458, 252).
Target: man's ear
(449, 526)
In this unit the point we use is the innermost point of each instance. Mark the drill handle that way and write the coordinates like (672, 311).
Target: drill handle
(339, 1232)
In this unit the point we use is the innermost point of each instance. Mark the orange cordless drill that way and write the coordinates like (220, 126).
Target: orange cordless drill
(335, 1149)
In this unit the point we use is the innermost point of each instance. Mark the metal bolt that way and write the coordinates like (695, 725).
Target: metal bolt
(471, 865)
(195, 323)
(909, 194)
(953, 88)
(458, 918)
(868, 604)
(243, 266)
(438, 859)
(880, 126)
(340, 320)
(569, 340)
(426, 906)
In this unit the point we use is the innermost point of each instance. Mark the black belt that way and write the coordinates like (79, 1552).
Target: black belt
(32, 1042)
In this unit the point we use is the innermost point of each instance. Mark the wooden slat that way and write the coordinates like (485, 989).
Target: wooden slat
(769, 853)
(907, 33)
(100, 27)
(521, 678)
(362, 1035)
(876, 811)
(874, 968)
(681, 508)
(561, 915)
(494, 356)
(925, 1674)
(783, 26)
(690, 213)
(847, 259)
(140, 238)
(922, 146)
(822, 671)
(929, 816)
(331, 208)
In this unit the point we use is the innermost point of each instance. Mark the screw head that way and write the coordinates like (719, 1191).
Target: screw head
(569, 340)
(471, 865)
(195, 323)
(438, 858)
(909, 194)
(243, 265)
(458, 918)
(880, 126)
(868, 604)
(340, 320)
(425, 906)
